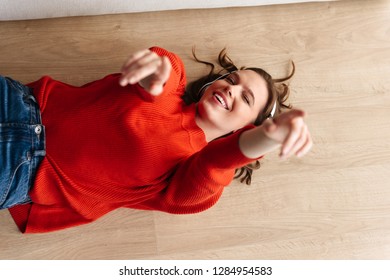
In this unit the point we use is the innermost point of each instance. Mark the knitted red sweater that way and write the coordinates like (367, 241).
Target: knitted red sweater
(110, 146)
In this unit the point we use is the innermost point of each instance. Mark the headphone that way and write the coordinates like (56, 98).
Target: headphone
(203, 88)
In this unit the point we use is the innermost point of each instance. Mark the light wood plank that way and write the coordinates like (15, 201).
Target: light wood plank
(332, 204)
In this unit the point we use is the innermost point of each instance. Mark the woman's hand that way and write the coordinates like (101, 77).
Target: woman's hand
(290, 130)
(148, 69)
(287, 131)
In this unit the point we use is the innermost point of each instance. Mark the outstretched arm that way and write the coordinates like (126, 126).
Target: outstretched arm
(199, 180)
(288, 132)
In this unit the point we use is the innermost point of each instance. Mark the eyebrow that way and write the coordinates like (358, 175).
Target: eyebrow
(248, 90)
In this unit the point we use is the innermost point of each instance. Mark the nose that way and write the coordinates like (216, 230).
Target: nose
(231, 90)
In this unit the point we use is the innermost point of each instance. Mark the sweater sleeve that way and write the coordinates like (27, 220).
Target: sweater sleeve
(177, 79)
(199, 181)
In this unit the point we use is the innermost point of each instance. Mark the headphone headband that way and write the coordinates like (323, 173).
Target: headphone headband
(273, 111)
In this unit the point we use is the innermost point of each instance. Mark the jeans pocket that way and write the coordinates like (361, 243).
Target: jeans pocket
(15, 164)
(16, 185)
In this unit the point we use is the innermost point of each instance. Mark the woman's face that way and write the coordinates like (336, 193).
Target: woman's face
(233, 102)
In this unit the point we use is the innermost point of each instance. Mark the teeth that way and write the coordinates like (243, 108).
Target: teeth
(220, 99)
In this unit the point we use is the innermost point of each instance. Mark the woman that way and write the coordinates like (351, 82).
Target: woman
(129, 140)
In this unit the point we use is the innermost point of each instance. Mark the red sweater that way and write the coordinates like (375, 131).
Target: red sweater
(110, 146)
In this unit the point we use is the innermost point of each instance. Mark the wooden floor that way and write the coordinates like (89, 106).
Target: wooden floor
(332, 204)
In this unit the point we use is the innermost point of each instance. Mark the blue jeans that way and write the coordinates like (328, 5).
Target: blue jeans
(22, 142)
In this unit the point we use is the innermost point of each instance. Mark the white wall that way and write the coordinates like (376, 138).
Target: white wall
(34, 9)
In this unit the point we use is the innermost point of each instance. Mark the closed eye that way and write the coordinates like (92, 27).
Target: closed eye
(230, 80)
(246, 99)
(247, 93)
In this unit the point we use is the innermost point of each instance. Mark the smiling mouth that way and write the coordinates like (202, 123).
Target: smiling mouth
(221, 100)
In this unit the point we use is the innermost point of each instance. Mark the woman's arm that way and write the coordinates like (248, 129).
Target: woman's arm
(288, 131)
(199, 180)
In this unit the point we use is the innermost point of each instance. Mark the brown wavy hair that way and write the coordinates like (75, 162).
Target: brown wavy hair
(278, 92)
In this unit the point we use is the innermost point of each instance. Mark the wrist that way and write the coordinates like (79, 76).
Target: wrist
(254, 143)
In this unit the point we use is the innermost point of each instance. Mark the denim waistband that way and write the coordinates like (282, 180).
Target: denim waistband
(38, 128)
